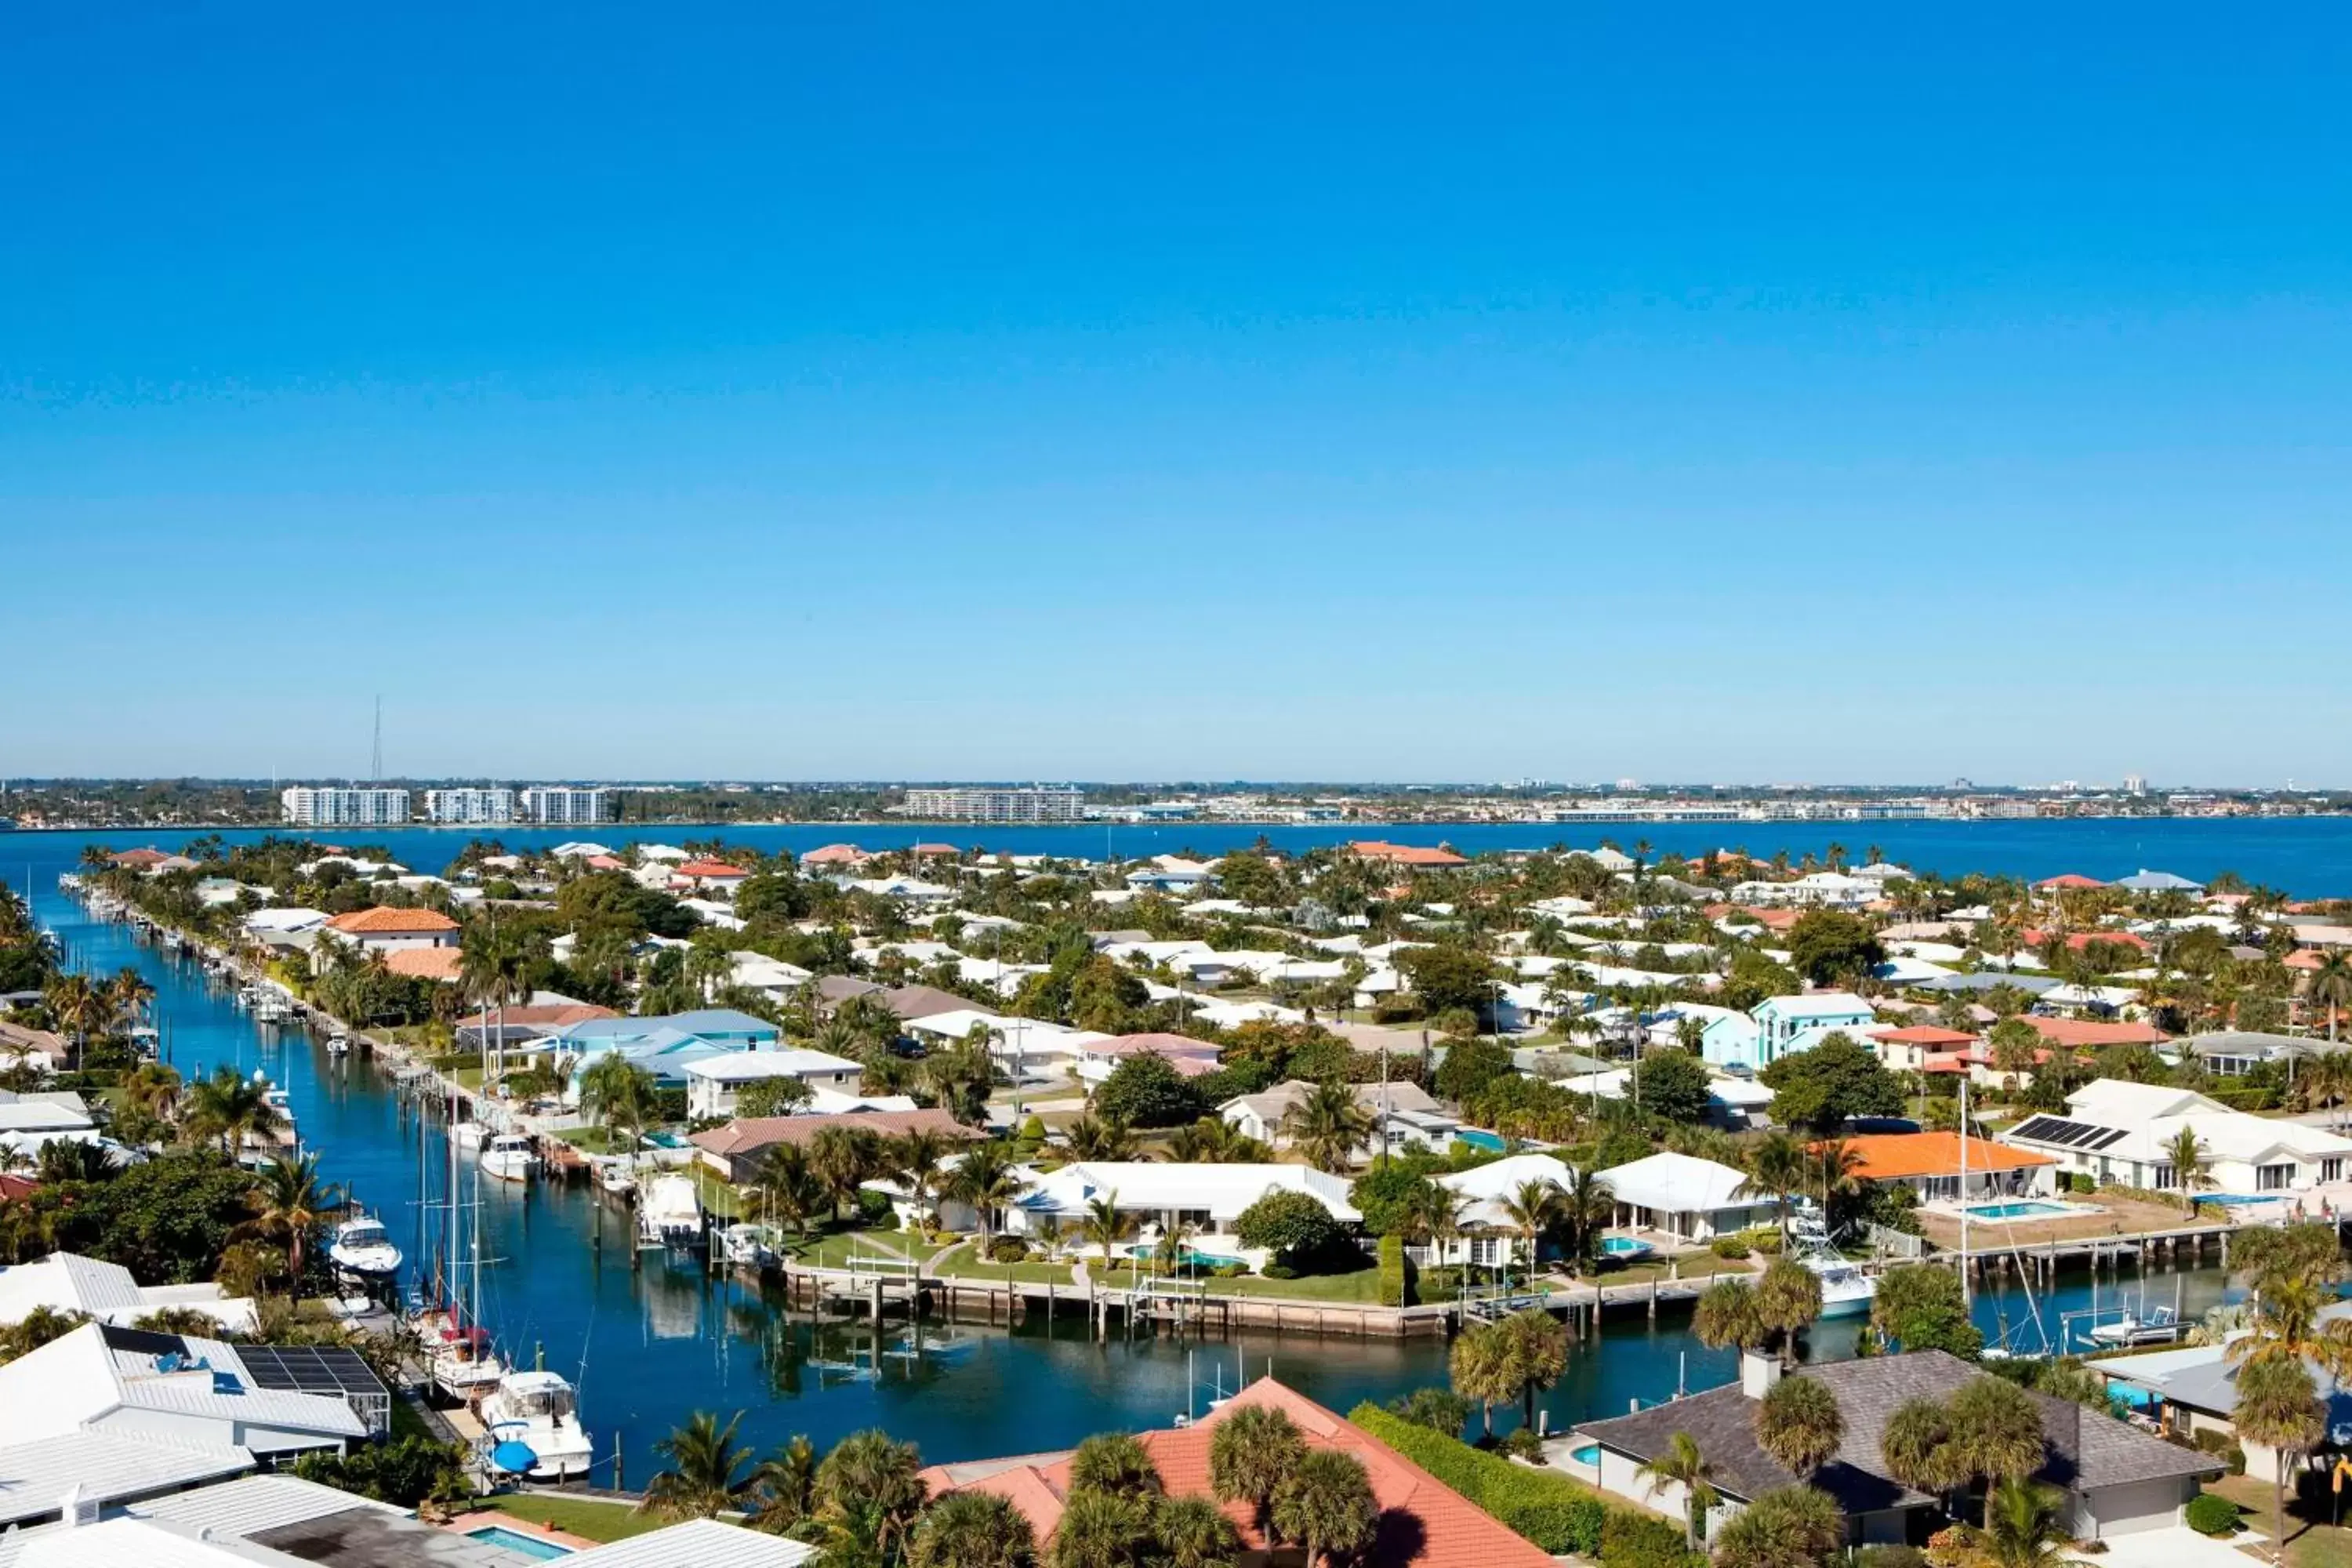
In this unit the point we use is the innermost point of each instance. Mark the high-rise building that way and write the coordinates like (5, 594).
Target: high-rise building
(469, 805)
(560, 804)
(2134, 784)
(333, 806)
(1030, 802)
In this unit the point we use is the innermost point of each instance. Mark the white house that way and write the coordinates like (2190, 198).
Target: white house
(69, 1282)
(1207, 1199)
(1405, 1111)
(1487, 1238)
(1687, 1198)
(27, 1120)
(2120, 1132)
(713, 1084)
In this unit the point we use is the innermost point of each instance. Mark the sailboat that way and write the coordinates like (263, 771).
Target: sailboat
(460, 1360)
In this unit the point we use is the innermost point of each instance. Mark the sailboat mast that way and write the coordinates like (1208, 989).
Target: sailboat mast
(1968, 1297)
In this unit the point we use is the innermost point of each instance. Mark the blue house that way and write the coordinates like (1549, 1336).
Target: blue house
(1782, 1026)
(664, 1047)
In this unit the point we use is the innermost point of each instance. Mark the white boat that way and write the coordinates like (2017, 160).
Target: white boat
(458, 1355)
(616, 1178)
(669, 1212)
(749, 1246)
(542, 1411)
(469, 1134)
(2160, 1327)
(361, 1247)
(509, 1157)
(1846, 1290)
(339, 1044)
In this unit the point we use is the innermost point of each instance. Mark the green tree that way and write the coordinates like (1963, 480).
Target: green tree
(1468, 1068)
(2278, 1407)
(1681, 1464)
(1791, 1526)
(703, 1469)
(230, 1108)
(1327, 1125)
(618, 1094)
(973, 1530)
(1831, 947)
(1820, 1089)
(1799, 1424)
(1146, 1090)
(1252, 1451)
(869, 1495)
(1325, 1504)
(1288, 1223)
(1675, 1085)
(1788, 1301)
(1484, 1370)
(1995, 1434)
(772, 1096)
(290, 1205)
(1446, 976)
(1114, 1462)
(1193, 1532)
(1537, 1348)
(1921, 1308)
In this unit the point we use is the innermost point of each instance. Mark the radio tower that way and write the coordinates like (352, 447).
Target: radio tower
(375, 757)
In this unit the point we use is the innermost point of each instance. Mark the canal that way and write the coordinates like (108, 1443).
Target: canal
(650, 1346)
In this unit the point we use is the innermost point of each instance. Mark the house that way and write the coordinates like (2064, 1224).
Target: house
(1099, 1058)
(1207, 1198)
(512, 1026)
(1932, 1165)
(2067, 883)
(1687, 1198)
(2081, 1034)
(1406, 857)
(1171, 874)
(1781, 1027)
(736, 1150)
(2147, 881)
(2116, 1481)
(713, 1082)
(443, 965)
(41, 1049)
(2194, 1390)
(69, 1282)
(906, 890)
(2233, 1053)
(384, 929)
(707, 876)
(29, 1120)
(128, 1383)
(663, 1045)
(1406, 1111)
(1487, 1239)
(1909, 1047)
(1025, 1050)
(2114, 1130)
(1423, 1523)
(835, 857)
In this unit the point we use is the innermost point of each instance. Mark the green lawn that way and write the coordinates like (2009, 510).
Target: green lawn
(835, 1250)
(1362, 1286)
(2311, 1541)
(962, 1268)
(582, 1516)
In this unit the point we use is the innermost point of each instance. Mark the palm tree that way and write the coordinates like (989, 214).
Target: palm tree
(229, 1107)
(1681, 1464)
(1838, 1166)
(784, 1486)
(1798, 1423)
(1538, 1344)
(1530, 1211)
(2020, 1528)
(1328, 1126)
(1113, 1462)
(790, 1188)
(1995, 1434)
(973, 1530)
(1103, 1529)
(1777, 1165)
(1252, 1451)
(869, 1494)
(1790, 1527)
(2330, 985)
(703, 1477)
(2188, 1158)
(1105, 1139)
(128, 994)
(153, 1088)
(917, 1155)
(1727, 1314)
(1325, 1504)
(2279, 1407)
(707, 967)
(618, 1093)
(1915, 1447)
(1587, 1205)
(1193, 1532)
(290, 1203)
(840, 1159)
(1788, 1300)
(1104, 1224)
(985, 1178)
(1483, 1369)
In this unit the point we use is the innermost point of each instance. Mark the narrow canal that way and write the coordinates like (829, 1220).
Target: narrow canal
(650, 1346)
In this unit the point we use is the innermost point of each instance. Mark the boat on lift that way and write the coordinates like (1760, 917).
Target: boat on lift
(669, 1212)
(509, 1157)
(541, 1410)
(362, 1245)
(2160, 1327)
(1846, 1290)
(339, 1044)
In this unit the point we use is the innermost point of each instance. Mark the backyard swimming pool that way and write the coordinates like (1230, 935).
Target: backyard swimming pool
(1624, 1247)
(537, 1548)
(1480, 1139)
(2024, 1209)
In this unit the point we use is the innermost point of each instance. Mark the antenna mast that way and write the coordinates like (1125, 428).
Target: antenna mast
(375, 757)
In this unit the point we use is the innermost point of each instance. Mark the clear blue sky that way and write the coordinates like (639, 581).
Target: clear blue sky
(1147, 392)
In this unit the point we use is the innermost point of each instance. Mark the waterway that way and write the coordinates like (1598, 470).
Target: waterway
(651, 1346)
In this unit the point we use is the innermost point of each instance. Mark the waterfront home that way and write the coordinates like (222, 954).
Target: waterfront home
(1423, 1522)
(1781, 1027)
(1404, 856)
(69, 1282)
(518, 1026)
(736, 1150)
(29, 1120)
(1487, 1239)
(385, 929)
(25, 1045)
(2114, 1130)
(2233, 1053)
(1932, 1164)
(125, 1382)
(834, 856)
(713, 1083)
(443, 965)
(1687, 1199)
(1405, 1112)
(1156, 1197)
(663, 1045)
(1816, 889)
(2194, 1391)
(2115, 1480)
(715, 876)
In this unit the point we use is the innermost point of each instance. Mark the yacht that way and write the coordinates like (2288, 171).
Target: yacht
(509, 1157)
(361, 1247)
(669, 1212)
(541, 1410)
(339, 1044)
(1846, 1290)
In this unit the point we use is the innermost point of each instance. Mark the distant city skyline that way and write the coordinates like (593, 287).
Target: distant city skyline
(1729, 394)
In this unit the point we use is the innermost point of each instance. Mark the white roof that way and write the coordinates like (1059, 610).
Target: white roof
(1817, 1005)
(1481, 1187)
(697, 1543)
(107, 1466)
(257, 1503)
(79, 1378)
(1680, 1183)
(748, 1066)
(1226, 1014)
(1150, 1184)
(67, 1283)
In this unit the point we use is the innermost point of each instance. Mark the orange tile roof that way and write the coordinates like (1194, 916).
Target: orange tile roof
(1923, 1035)
(1890, 1156)
(556, 1014)
(2068, 880)
(425, 963)
(935, 849)
(2078, 1032)
(1423, 1523)
(386, 921)
(1405, 854)
(2082, 939)
(699, 870)
(834, 855)
(140, 858)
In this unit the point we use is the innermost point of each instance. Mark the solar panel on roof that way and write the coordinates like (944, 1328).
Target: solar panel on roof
(309, 1369)
(2036, 1127)
(2111, 1138)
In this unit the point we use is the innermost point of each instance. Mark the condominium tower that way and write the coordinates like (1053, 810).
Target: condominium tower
(1032, 802)
(330, 806)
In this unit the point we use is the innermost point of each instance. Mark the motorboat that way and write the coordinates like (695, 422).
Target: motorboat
(508, 1157)
(669, 1212)
(540, 1410)
(1846, 1290)
(749, 1246)
(2160, 1327)
(339, 1044)
(616, 1178)
(361, 1247)
(469, 1134)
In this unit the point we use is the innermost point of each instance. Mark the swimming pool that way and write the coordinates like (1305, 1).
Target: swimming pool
(538, 1548)
(2026, 1209)
(1478, 1140)
(1147, 1251)
(2229, 1200)
(1588, 1455)
(1624, 1247)
(667, 1139)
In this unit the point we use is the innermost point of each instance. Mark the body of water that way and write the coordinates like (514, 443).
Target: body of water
(651, 1346)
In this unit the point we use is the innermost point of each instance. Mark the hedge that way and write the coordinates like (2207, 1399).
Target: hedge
(2209, 1514)
(1558, 1514)
(1392, 1286)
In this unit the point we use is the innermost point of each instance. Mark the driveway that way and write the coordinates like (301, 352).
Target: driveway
(2177, 1546)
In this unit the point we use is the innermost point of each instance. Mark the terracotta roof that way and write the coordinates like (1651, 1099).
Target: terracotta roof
(140, 858)
(386, 921)
(1423, 1523)
(1167, 1045)
(747, 1134)
(13, 1187)
(424, 963)
(2082, 939)
(2077, 1032)
(605, 863)
(1890, 1156)
(1405, 854)
(2070, 879)
(934, 849)
(1923, 1035)
(834, 855)
(554, 1014)
(702, 868)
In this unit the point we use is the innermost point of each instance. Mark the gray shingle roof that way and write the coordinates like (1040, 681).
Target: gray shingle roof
(2085, 1450)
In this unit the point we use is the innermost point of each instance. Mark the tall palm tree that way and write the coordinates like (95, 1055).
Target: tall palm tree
(1995, 1434)
(871, 1494)
(1328, 1126)
(1837, 1167)
(917, 1155)
(229, 1107)
(782, 1487)
(1103, 1529)
(1777, 1165)
(703, 1471)
(128, 994)
(1787, 1300)
(2278, 1407)
(789, 1187)
(987, 1180)
(1537, 1345)
(1105, 1139)
(1484, 1369)
(153, 1088)
(1252, 1451)
(2187, 1154)
(1727, 1314)
(1193, 1532)
(618, 1093)
(1325, 1504)
(973, 1530)
(1587, 1205)
(1104, 1224)
(1681, 1464)
(841, 1158)
(707, 967)
(290, 1203)
(1915, 1446)
(2330, 985)
(1531, 1210)
(1798, 1423)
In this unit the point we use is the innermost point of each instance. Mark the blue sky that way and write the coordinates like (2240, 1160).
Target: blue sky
(1344, 391)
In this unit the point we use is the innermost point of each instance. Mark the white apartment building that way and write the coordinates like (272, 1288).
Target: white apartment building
(330, 807)
(469, 805)
(1030, 802)
(563, 806)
